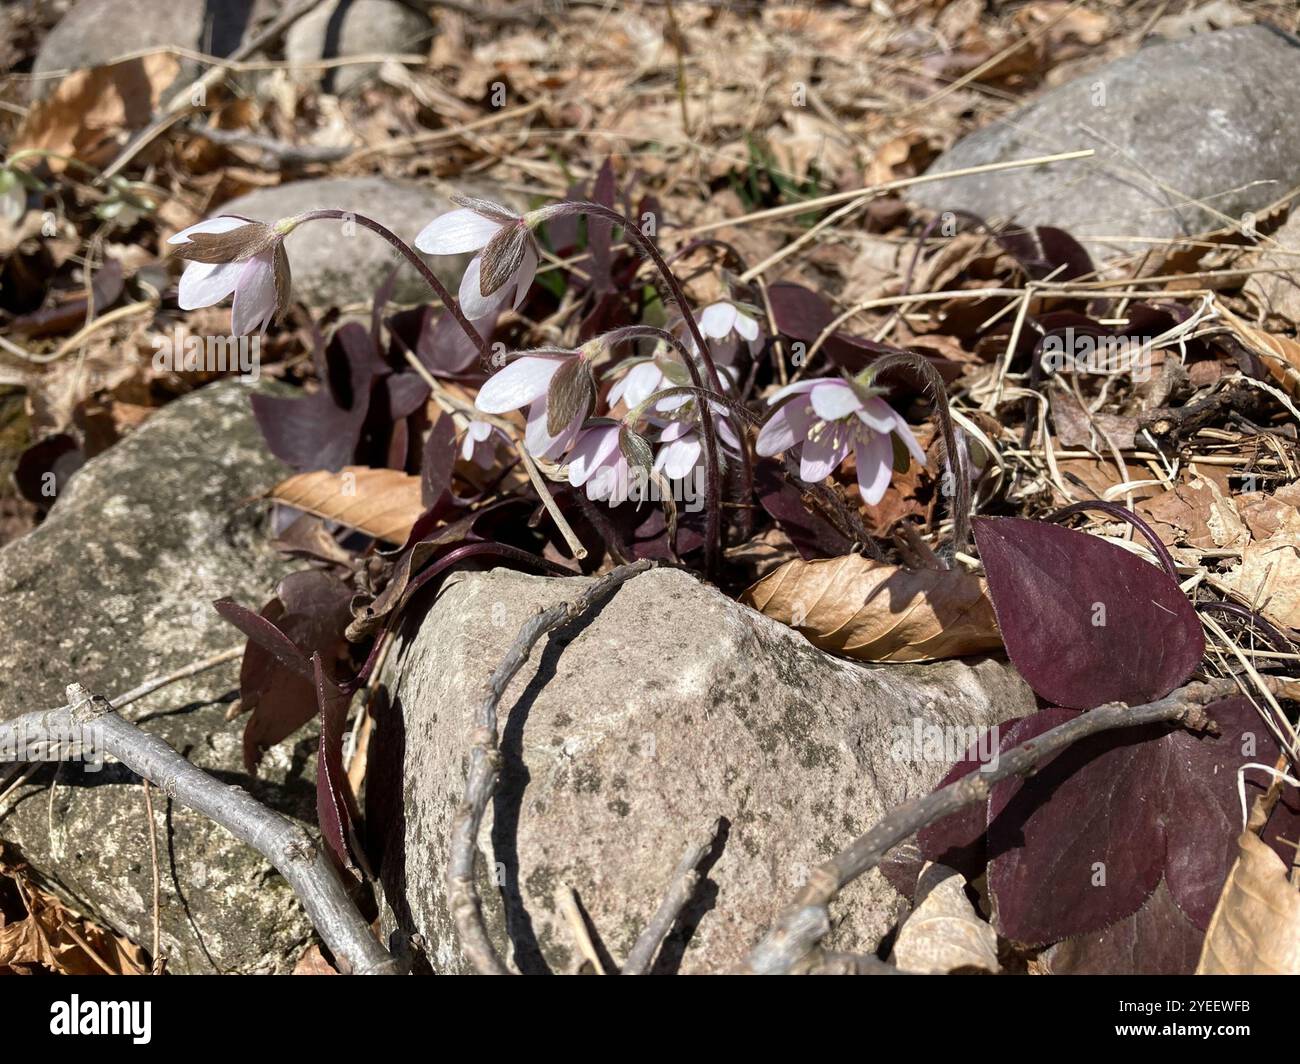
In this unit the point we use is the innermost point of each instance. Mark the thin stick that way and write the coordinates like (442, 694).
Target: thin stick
(157, 958)
(790, 945)
(686, 878)
(548, 500)
(183, 673)
(484, 769)
(305, 866)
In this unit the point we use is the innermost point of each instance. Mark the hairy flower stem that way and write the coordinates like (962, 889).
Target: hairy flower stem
(411, 256)
(713, 483)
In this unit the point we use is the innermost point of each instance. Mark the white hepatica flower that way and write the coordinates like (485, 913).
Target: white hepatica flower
(719, 320)
(557, 389)
(480, 443)
(828, 416)
(229, 255)
(507, 252)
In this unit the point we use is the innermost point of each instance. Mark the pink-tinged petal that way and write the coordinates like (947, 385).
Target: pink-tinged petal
(254, 305)
(205, 283)
(671, 403)
(525, 274)
(467, 446)
(223, 223)
(456, 232)
(877, 415)
(540, 443)
(472, 300)
(875, 461)
(833, 400)
(747, 327)
(904, 432)
(726, 433)
(819, 458)
(675, 430)
(796, 388)
(593, 451)
(717, 319)
(523, 381)
(785, 428)
(677, 459)
(479, 430)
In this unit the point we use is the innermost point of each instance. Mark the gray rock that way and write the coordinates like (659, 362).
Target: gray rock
(625, 733)
(114, 588)
(335, 265)
(96, 32)
(1209, 118)
(355, 27)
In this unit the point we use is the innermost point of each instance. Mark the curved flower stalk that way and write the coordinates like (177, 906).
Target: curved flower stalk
(828, 417)
(556, 387)
(507, 257)
(231, 255)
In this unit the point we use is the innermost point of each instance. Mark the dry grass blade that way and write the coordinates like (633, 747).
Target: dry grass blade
(383, 503)
(874, 611)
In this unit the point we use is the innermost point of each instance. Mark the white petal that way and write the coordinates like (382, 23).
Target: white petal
(904, 432)
(717, 320)
(818, 459)
(788, 426)
(877, 415)
(523, 381)
(205, 283)
(472, 300)
(833, 400)
(678, 458)
(726, 433)
(875, 460)
(638, 384)
(524, 275)
(539, 441)
(223, 223)
(795, 388)
(591, 452)
(254, 304)
(747, 327)
(479, 430)
(456, 232)
(467, 446)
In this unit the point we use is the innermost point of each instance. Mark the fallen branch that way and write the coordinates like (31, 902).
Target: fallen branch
(791, 946)
(485, 765)
(685, 879)
(287, 846)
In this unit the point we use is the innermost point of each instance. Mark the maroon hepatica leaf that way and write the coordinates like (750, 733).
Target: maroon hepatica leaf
(1085, 841)
(1084, 621)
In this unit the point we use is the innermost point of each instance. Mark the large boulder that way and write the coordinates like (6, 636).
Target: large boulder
(354, 27)
(334, 263)
(1208, 118)
(114, 588)
(623, 736)
(95, 32)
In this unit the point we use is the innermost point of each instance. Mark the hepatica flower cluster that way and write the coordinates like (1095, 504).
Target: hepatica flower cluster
(673, 406)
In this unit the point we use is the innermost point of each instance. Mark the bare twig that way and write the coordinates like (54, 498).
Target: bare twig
(484, 768)
(287, 846)
(685, 879)
(156, 956)
(791, 945)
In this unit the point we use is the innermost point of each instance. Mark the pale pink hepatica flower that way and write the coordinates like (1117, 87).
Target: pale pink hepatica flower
(719, 320)
(597, 462)
(507, 251)
(827, 416)
(228, 255)
(556, 387)
(480, 443)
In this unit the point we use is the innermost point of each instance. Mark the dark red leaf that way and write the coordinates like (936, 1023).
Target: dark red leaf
(332, 809)
(1156, 940)
(1084, 621)
(437, 462)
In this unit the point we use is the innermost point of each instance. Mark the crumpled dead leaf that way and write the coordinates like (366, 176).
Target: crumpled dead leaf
(944, 933)
(84, 115)
(1255, 929)
(383, 503)
(874, 611)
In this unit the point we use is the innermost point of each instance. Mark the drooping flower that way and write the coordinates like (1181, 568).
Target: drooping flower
(507, 251)
(480, 443)
(719, 320)
(556, 387)
(227, 254)
(597, 463)
(828, 416)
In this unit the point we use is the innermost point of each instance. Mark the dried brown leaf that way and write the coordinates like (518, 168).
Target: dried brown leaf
(383, 503)
(874, 611)
(944, 933)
